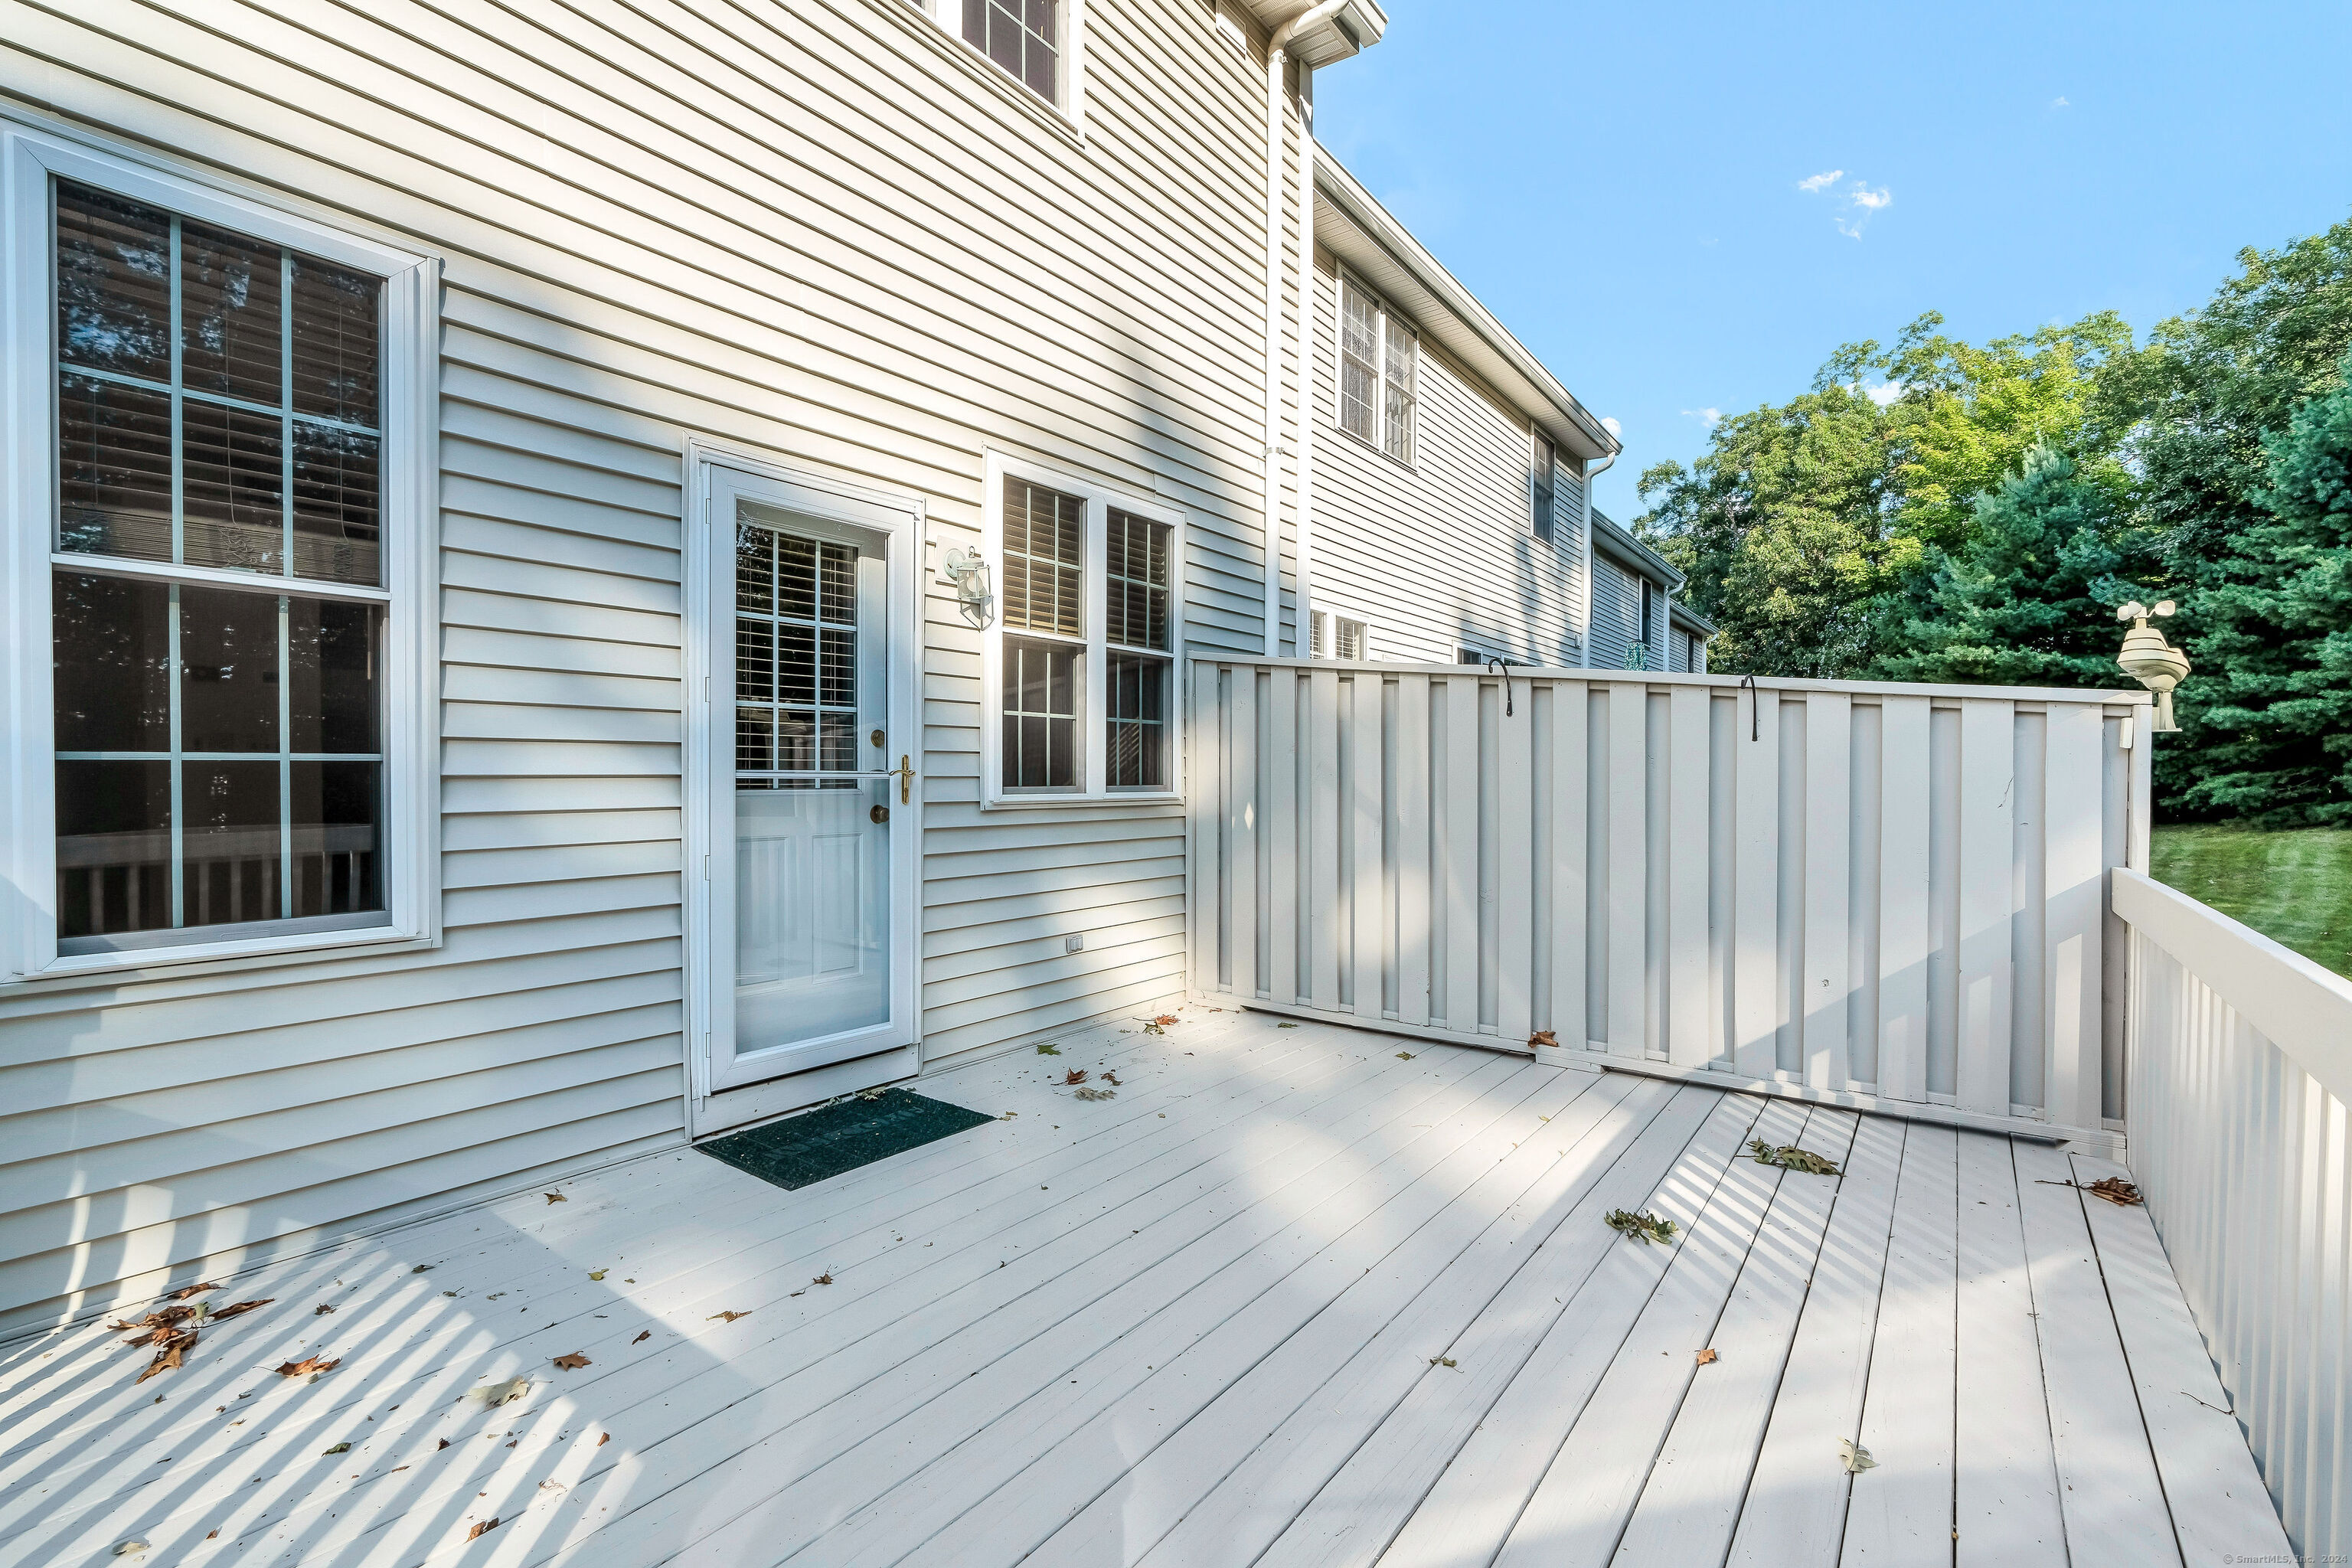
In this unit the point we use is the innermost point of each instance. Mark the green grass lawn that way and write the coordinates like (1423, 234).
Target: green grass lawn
(2295, 887)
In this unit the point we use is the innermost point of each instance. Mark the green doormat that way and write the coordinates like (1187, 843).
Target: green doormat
(803, 1149)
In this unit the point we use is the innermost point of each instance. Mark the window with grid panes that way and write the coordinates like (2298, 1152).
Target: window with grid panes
(1378, 355)
(1044, 670)
(1024, 36)
(1545, 462)
(795, 661)
(1140, 669)
(216, 586)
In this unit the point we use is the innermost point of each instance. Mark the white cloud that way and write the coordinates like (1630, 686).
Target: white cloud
(1613, 426)
(1822, 181)
(2060, 103)
(1867, 199)
(1854, 205)
(1884, 392)
(1710, 418)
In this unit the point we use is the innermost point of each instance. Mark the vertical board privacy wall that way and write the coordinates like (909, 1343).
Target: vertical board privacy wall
(1889, 896)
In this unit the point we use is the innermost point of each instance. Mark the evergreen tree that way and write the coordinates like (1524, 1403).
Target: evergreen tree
(2028, 599)
(2274, 676)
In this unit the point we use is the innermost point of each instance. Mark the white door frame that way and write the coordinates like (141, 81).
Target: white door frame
(896, 1051)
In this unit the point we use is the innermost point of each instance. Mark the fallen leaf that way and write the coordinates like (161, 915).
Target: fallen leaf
(492, 1395)
(1644, 1228)
(1111, 1078)
(604, 1438)
(726, 1317)
(1441, 1361)
(1707, 1357)
(236, 1309)
(422, 1269)
(557, 1198)
(1049, 1050)
(167, 1359)
(571, 1363)
(1008, 1116)
(130, 1548)
(185, 1291)
(552, 1484)
(1165, 1019)
(643, 1337)
(2115, 1189)
(322, 1309)
(1789, 1157)
(487, 1524)
(1404, 1056)
(1286, 1026)
(1543, 1038)
(823, 1278)
(338, 1449)
(1075, 1076)
(445, 1443)
(598, 1273)
(1854, 1456)
(1096, 1094)
(311, 1365)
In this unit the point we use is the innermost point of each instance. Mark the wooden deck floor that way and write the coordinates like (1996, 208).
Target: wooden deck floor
(1297, 1295)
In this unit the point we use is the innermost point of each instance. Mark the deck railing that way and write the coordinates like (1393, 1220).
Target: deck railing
(1885, 895)
(2240, 1070)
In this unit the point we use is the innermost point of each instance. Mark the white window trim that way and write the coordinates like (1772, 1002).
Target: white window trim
(29, 157)
(1100, 499)
(1328, 621)
(947, 15)
(1389, 321)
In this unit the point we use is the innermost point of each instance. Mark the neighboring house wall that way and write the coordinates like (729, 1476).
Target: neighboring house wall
(1616, 613)
(1440, 555)
(824, 233)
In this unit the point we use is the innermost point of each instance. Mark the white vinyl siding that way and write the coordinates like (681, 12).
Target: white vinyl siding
(809, 232)
(1440, 555)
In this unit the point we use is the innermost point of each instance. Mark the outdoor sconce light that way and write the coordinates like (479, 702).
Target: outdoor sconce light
(2149, 660)
(968, 569)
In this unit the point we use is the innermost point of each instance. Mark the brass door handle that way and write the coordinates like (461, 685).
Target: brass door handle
(905, 773)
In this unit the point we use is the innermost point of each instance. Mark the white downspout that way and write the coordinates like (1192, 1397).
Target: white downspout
(1585, 634)
(1304, 569)
(1274, 195)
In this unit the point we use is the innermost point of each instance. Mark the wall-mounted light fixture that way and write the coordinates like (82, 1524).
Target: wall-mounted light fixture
(2148, 658)
(968, 569)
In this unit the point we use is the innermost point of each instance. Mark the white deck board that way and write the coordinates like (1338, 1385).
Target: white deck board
(1195, 1325)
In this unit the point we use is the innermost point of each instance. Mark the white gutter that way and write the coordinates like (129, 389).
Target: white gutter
(1283, 34)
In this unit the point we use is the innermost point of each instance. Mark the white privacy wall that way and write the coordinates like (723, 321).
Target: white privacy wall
(2241, 1073)
(823, 232)
(1880, 895)
(1440, 553)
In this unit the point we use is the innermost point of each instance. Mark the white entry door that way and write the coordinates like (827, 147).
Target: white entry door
(808, 780)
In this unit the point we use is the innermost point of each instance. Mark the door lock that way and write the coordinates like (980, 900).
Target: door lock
(877, 738)
(879, 814)
(905, 773)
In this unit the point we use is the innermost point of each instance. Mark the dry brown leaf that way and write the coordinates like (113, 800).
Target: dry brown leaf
(323, 1308)
(1543, 1038)
(168, 1358)
(1111, 1078)
(598, 1273)
(485, 1525)
(185, 1291)
(642, 1336)
(1165, 1019)
(604, 1438)
(338, 1449)
(823, 1278)
(571, 1363)
(2115, 1190)
(725, 1317)
(311, 1365)
(557, 1198)
(235, 1308)
(445, 1443)
(1707, 1357)
(1075, 1076)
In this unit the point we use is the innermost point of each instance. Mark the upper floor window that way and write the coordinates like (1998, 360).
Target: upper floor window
(1546, 463)
(1081, 661)
(1024, 36)
(1378, 355)
(222, 604)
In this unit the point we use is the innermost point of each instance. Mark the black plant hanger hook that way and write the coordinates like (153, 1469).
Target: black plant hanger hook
(1502, 665)
(1748, 684)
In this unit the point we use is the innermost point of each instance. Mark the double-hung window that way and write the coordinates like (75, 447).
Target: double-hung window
(1024, 36)
(218, 433)
(1543, 496)
(1377, 358)
(1338, 637)
(1081, 654)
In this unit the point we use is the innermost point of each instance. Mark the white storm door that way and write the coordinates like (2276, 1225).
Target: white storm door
(811, 954)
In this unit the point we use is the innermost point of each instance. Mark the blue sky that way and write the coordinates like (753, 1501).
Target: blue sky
(1624, 185)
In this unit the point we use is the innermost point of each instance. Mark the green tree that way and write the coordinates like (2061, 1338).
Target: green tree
(2028, 598)
(2274, 657)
